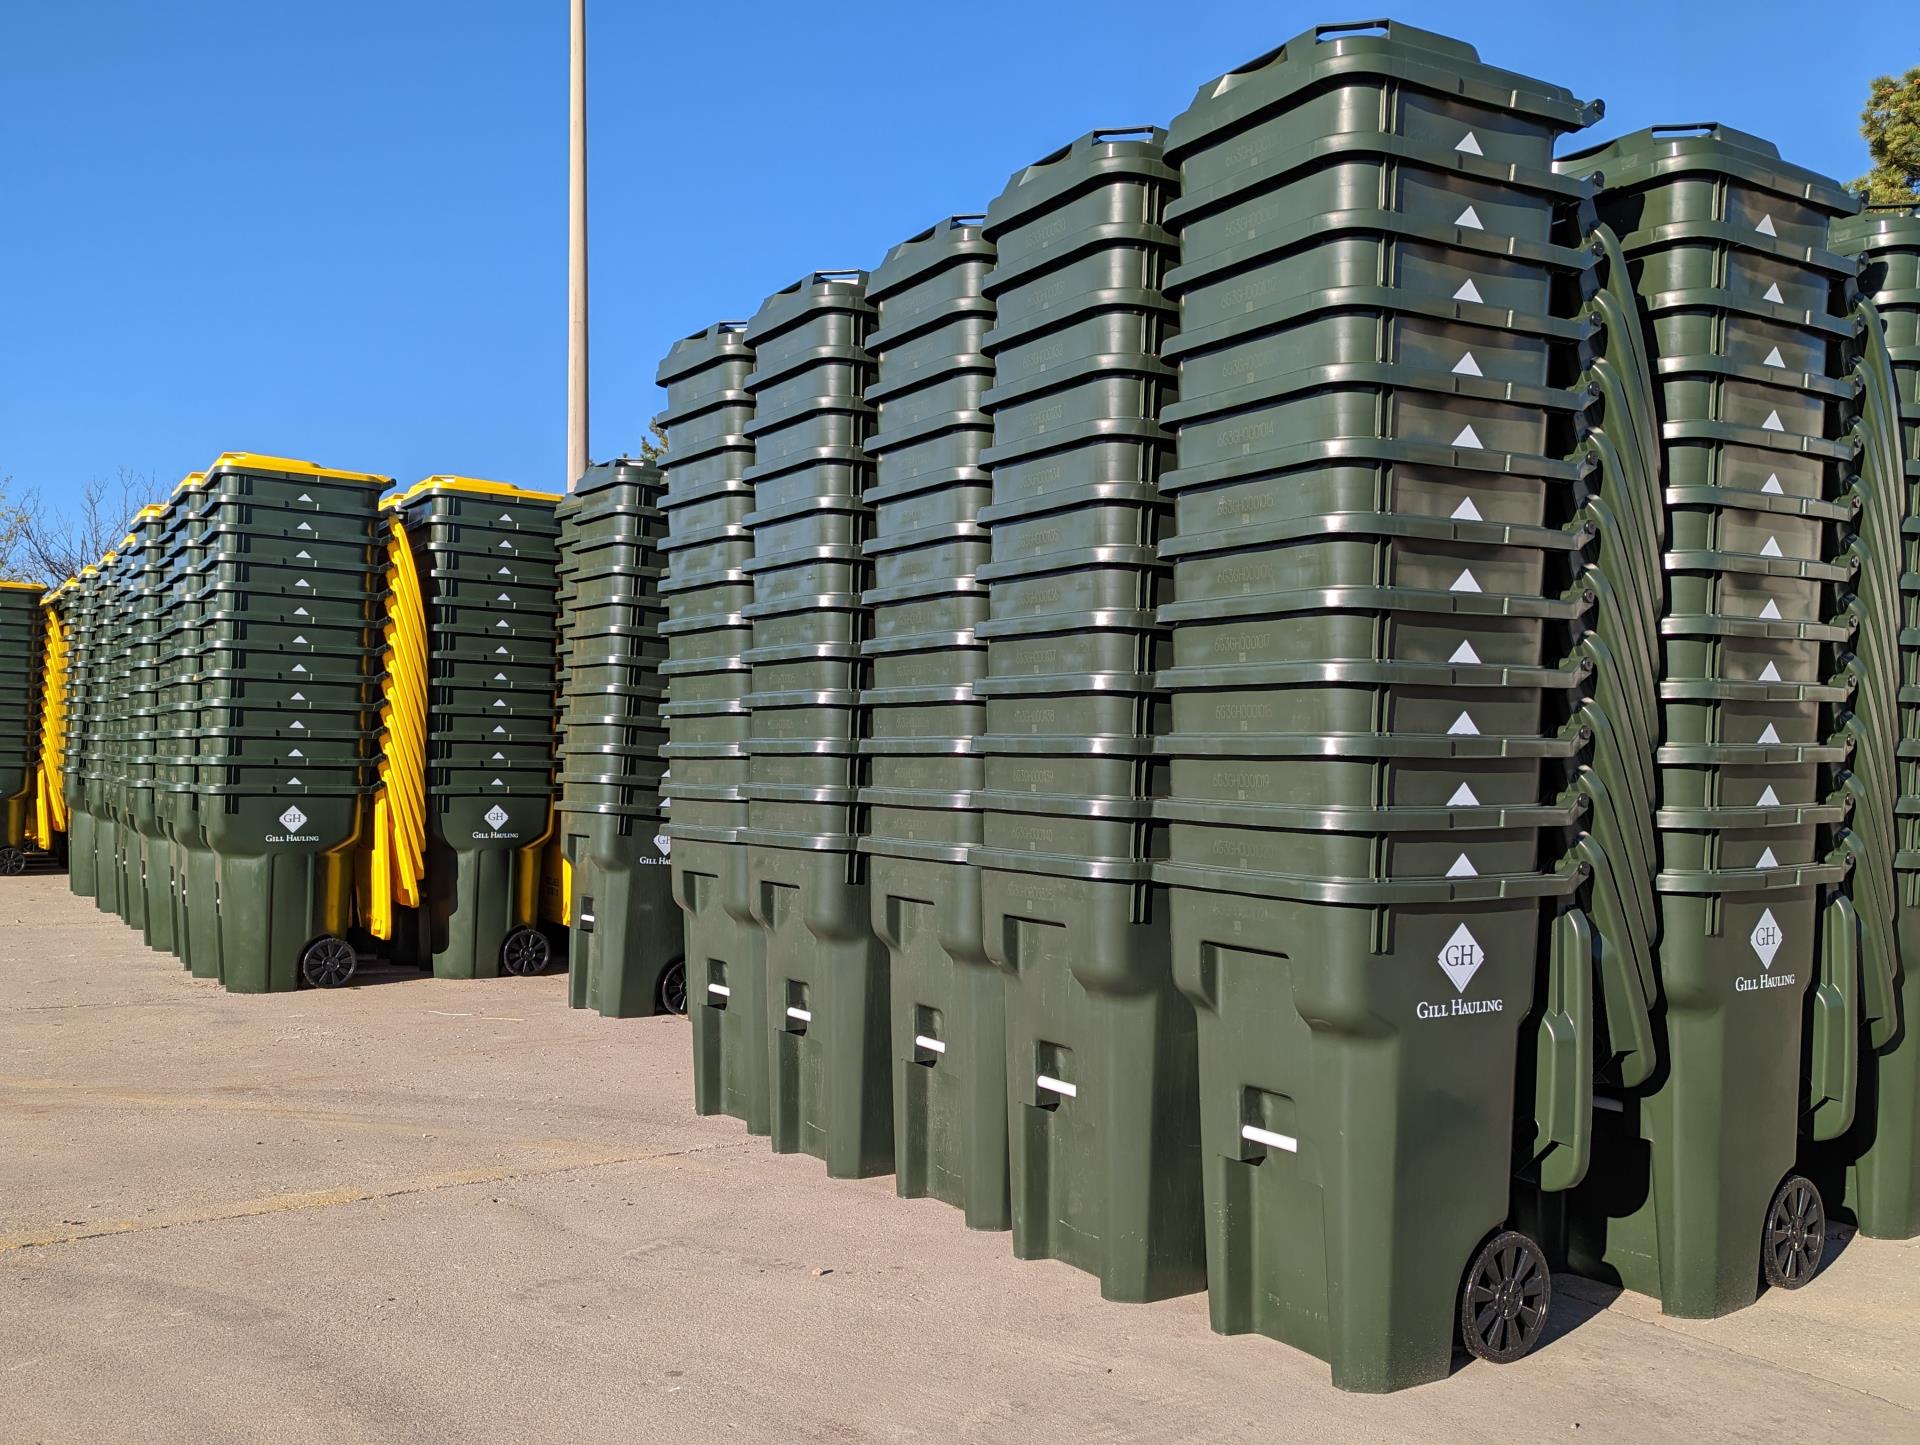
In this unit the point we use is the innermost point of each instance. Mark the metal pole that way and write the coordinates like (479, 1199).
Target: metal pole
(577, 254)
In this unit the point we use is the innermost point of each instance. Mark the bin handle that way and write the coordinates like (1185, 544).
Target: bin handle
(1834, 1079)
(1352, 27)
(1563, 1058)
(1687, 127)
(1629, 1024)
(1121, 132)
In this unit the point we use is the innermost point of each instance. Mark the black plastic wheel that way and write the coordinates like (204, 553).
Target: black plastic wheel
(526, 952)
(673, 988)
(1796, 1236)
(328, 962)
(12, 862)
(1506, 1297)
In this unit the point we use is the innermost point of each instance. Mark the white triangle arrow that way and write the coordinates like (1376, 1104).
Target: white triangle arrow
(1765, 227)
(1468, 292)
(499, 702)
(498, 784)
(300, 727)
(1774, 358)
(501, 626)
(1465, 582)
(504, 572)
(501, 652)
(304, 583)
(508, 546)
(1771, 486)
(1463, 868)
(1767, 860)
(1769, 798)
(1772, 549)
(1463, 728)
(1768, 734)
(1464, 653)
(1771, 612)
(1770, 673)
(499, 677)
(299, 697)
(299, 667)
(1467, 512)
(1469, 144)
(1468, 438)
(303, 556)
(1470, 219)
(304, 527)
(304, 497)
(1772, 423)
(497, 728)
(1773, 295)
(295, 783)
(505, 517)
(301, 641)
(301, 612)
(1467, 366)
(498, 758)
(1463, 797)
(503, 598)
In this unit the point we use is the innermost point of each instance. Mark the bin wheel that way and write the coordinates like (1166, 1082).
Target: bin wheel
(1796, 1235)
(525, 953)
(1504, 1302)
(328, 962)
(12, 862)
(673, 988)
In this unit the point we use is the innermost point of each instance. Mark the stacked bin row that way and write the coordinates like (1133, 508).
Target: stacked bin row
(1773, 742)
(1370, 675)
(195, 923)
(485, 554)
(21, 667)
(282, 578)
(47, 825)
(77, 603)
(828, 1022)
(147, 875)
(922, 763)
(1876, 1164)
(625, 960)
(1102, 1125)
(707, 591)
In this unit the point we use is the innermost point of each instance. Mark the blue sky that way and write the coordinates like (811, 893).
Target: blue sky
(338, 231)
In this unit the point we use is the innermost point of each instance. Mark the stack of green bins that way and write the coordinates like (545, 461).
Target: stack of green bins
(103, 769)
(625, 949)
(1879, 1159)
(1771, 673)
(486, 554)
(290, 587)
(178, 626)
(145, 898)
(1366, 752)
(556, 871)
(20, 705)
(707, 591)
(76, 602)
(826, 975)
(922, 756)
(1101, 1070)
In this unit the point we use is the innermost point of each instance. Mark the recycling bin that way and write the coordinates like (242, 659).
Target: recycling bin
(22, 666)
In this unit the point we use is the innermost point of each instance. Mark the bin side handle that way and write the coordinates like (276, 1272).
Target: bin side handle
(1563, 1059)
(1834, 1079)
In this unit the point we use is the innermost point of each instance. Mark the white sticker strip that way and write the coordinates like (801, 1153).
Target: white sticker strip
(1270, 1139)
(1057, 1086)
(1612, 1106)
(805, 1016)
(932, 1046)
(721, 989)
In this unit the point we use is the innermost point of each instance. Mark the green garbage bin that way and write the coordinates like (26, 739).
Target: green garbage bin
(283, 764)
(920, 750)
(707, 634)
(626, 951)
(486, 554)
(103, 772)
(22, 666)
(1375, 691)
(828, 1018)
(1876, 1164)
(1689, 1197)
(1100, 1048)
(149, 874)
(177, 800)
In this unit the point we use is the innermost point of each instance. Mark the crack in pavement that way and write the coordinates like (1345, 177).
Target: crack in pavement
(313, 1199)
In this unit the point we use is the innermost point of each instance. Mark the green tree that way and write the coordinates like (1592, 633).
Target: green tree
(1891, 124)
(653, 445)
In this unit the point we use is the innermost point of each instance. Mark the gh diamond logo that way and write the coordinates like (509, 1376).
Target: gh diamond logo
(496, 817)
(663, 843)
(1766, 938)
(292, 820)
(1461, 958)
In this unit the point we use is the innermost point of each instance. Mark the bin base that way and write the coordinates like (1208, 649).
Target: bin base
(827, 1015)
(471, 903)
(156, 871)
(270, 908)
(626, 931)
(1102, 1083)
(1881, 1154)
(726, 984)
(949, 1101)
